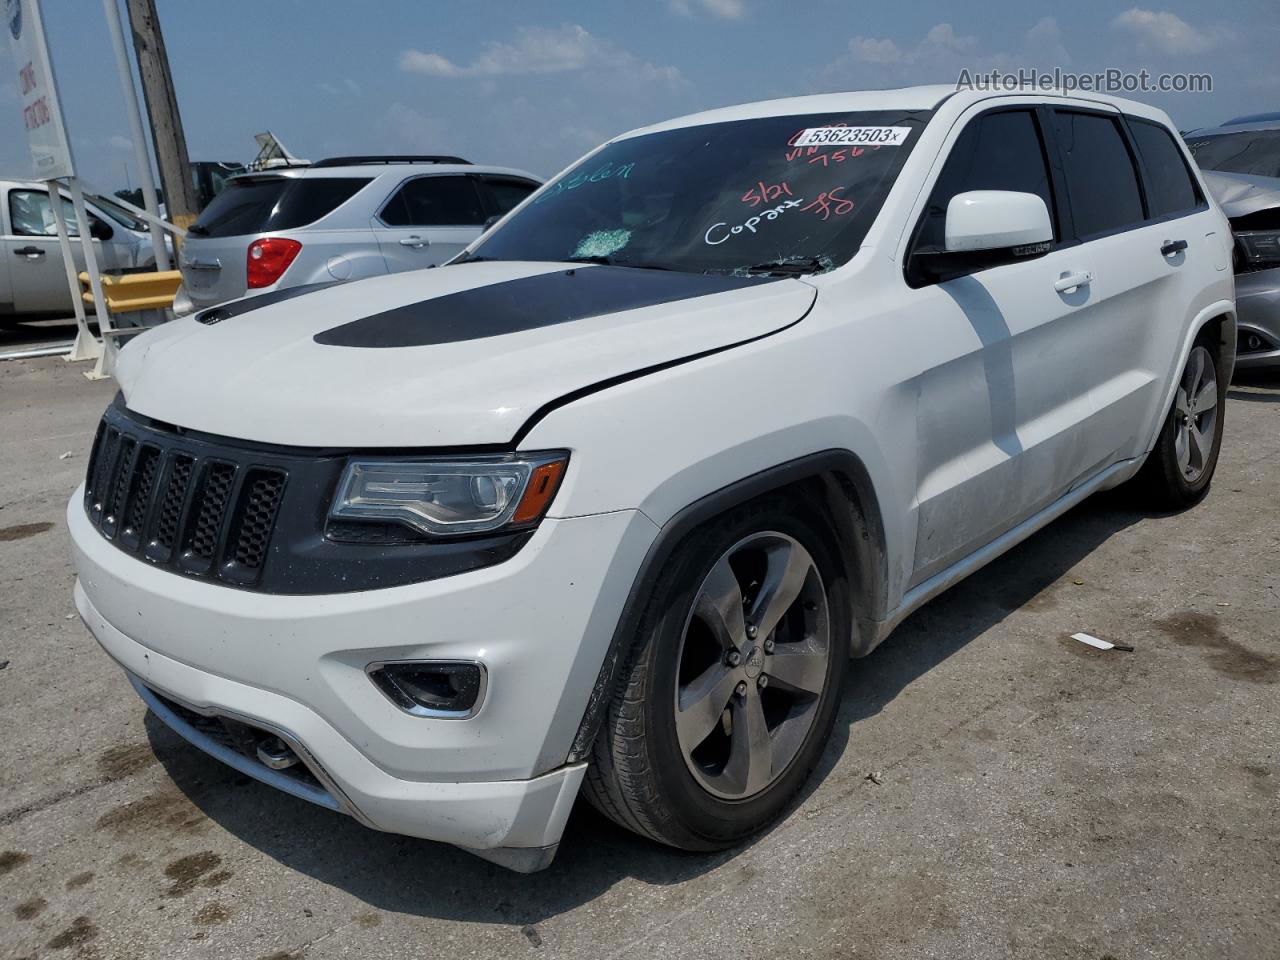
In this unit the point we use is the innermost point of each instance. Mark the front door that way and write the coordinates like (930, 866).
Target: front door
(37, 277)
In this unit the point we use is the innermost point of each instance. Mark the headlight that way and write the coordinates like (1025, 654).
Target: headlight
(1260, 248)
(451, 497)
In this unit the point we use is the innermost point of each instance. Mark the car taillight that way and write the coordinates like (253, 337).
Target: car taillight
(269, 258)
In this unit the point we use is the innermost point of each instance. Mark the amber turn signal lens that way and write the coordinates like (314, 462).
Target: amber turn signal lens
(537, 495)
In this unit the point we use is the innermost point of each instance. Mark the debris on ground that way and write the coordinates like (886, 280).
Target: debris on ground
(1101, 644)
(877, 778)
(66, 456)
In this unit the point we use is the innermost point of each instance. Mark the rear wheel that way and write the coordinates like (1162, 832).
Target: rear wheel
(1180, 467)
(730, 691)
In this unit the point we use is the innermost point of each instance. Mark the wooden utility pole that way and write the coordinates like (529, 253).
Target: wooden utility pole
(162, 110)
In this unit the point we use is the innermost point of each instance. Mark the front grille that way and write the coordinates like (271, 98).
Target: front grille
(178, 507)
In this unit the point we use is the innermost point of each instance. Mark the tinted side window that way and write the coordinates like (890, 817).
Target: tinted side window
(1101, 181)
(435, 202)
(310, 198)
(1170, 188)
(997, 151)
(503, 195)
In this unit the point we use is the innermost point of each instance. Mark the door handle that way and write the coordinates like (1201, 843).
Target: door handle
(28, 252)
(1070, 281)
(414, 241)
(1170, 247)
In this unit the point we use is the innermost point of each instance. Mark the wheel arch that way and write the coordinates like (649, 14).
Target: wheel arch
(1222, 314)
(839, 484)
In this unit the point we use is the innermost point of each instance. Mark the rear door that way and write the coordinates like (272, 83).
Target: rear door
(1141, 237)
(428, 220)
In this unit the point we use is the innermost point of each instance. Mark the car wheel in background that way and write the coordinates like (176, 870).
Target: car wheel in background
(731, 687)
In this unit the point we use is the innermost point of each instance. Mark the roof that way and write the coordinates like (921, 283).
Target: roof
(928, 97)
(372, 170)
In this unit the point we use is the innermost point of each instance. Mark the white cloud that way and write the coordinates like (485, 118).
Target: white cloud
(120, 143)
(542, 52)
(941, 39)
(872, 50)
(535, 50)
(1165, 32)
(720, 9)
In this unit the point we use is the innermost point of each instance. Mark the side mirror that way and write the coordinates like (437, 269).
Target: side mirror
(100, 230)
(989, 220)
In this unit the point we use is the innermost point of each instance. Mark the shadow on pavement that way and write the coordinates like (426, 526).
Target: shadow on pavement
(18, 332)
(421, 878)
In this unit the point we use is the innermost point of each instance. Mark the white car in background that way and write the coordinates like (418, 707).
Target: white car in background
(345, 218)
(607, 504)
(33, 279)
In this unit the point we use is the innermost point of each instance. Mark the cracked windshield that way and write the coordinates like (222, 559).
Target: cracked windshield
(789, 194)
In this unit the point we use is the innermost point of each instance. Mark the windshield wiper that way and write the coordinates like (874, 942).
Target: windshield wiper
(611, 262)
(791, 266)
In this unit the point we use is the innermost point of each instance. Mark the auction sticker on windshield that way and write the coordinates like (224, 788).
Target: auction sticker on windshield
(870, 136)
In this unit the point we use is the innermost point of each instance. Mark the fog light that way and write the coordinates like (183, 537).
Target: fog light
(443, 689)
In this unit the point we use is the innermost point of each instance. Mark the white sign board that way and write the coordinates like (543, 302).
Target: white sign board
(41, 113)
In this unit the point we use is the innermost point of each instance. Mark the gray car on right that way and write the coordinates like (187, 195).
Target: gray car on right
(1241, 164)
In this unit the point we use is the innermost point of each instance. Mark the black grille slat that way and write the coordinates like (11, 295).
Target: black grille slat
(255, 518)
(171, 507)
(209, 516)
(104, 461)
(121, 475)
(140, 496)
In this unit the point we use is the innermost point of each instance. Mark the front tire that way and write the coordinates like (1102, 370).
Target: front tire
(730, 690)
(1180, 467)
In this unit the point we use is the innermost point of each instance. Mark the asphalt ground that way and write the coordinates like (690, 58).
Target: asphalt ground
(993, 788)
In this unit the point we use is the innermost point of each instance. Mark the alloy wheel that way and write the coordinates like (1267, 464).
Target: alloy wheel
(752, 665)
(1196, 415)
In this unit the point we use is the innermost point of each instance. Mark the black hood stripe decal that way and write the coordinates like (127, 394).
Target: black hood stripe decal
(527, 303)
(235, 308)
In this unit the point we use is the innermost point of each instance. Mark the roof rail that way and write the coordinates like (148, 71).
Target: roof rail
(388, 158)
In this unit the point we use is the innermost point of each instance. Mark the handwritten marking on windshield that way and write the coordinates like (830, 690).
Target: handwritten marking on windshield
(750, 224)
(606, 171)
(830, 202)
(766, 193)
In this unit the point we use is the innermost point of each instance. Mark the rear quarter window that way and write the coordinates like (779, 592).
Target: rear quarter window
(264, 204)
(1170, 187)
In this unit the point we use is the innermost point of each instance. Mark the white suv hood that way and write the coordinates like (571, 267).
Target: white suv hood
(448, 357)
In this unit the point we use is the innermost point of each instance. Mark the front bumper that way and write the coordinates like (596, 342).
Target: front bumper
(540, 622)
(1258, 313)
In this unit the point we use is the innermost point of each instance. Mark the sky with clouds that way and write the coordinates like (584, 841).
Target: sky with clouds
(534, 83)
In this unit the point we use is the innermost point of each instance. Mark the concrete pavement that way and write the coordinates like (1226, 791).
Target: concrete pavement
(1035, 798)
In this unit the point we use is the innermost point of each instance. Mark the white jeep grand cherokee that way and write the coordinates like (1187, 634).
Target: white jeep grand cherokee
(608, 503)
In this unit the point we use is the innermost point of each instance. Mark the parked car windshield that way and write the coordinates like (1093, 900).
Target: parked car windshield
(258, 204)
(1255, 152)
(798, 190)
(118, 213)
